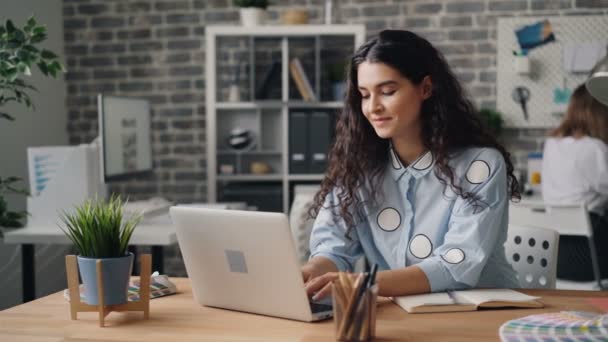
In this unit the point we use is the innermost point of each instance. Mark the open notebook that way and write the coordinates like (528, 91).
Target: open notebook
(466, 300)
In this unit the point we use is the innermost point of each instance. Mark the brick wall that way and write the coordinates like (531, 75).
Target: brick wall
(155, 50)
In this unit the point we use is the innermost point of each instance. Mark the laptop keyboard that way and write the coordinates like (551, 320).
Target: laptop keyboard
(316, 307)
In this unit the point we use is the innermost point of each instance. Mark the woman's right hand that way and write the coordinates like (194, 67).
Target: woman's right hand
(317, 266)
(314, 271)
(310, 271)
(319, 287)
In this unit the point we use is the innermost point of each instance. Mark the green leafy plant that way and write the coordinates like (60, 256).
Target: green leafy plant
(18, 54)
(263, 4)
(11, 219)
(98, 229)
(492, 119)
(336, 72)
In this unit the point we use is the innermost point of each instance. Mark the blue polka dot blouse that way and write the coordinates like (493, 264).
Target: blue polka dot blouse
(417, 220)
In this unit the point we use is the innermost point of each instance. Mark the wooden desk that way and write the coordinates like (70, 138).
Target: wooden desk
(178, 318)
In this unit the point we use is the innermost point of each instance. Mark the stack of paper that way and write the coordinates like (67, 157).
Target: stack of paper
(160, 285)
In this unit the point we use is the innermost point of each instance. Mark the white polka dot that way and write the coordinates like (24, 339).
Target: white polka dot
(395, 160)
(478, 172)
(389, 219)
(454, 256)
(424, 162)
(421, 247)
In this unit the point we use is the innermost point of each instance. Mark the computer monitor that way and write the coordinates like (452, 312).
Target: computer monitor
(124, 132)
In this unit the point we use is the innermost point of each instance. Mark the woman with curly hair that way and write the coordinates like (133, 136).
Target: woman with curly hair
(415, 184)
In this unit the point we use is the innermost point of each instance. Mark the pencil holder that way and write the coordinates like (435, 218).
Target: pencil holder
(354, 319)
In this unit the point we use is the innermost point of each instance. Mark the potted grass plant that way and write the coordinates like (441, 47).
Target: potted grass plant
(493, 120)
(253, 12)
(337, 76)
(99, 231)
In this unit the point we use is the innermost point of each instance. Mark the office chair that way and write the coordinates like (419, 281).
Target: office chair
(300, 223)
(532, 252)
(564, 219)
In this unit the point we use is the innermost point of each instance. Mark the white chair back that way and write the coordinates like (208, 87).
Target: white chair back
(564, 219)
(532, 252)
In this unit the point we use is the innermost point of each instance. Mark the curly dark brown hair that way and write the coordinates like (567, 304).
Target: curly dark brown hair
(450, 122)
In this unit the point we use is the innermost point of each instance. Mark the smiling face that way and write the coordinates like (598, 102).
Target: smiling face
(390, 101)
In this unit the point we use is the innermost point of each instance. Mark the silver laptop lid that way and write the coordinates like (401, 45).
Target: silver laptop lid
(242, 260)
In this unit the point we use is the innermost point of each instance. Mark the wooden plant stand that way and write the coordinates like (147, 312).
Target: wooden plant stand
(76, 306)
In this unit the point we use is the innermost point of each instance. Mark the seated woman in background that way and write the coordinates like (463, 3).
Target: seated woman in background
(575, 170)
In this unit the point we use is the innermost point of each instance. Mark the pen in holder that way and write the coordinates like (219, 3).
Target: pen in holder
(354, 305)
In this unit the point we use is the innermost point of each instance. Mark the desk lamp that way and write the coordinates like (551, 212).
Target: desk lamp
(597, 83)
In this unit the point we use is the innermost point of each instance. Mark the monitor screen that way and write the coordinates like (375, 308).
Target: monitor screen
(124, 131)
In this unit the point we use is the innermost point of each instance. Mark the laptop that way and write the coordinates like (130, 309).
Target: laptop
(245, 261)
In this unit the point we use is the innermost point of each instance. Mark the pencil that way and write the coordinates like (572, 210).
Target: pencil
(364, 334)
(358, 317)
(351, 305)
(338, 293)
(346, 283)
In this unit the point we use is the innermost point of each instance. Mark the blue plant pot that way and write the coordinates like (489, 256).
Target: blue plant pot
(115, 274)
(338, 90)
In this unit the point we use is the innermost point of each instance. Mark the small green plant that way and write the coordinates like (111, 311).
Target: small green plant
(492, 119)
(98, 230)
(337, 72)
(263, 4)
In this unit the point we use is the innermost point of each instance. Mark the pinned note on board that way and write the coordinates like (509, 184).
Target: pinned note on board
(581, 57)
(535, 35)
(561, 96)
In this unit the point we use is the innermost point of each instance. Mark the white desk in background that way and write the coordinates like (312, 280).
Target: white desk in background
(156, 232)
(535, 200)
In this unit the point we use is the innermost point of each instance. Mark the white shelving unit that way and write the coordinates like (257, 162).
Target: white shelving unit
(267, 118)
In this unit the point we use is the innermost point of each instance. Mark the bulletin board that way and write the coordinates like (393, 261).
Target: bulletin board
(547, 76)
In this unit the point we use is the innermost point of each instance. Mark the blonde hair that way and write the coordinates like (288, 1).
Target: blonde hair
(585, 116)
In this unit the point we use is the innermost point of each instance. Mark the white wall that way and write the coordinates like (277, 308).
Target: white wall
(47, 125)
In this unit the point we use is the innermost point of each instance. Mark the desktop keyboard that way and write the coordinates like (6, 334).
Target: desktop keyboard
(150, 207)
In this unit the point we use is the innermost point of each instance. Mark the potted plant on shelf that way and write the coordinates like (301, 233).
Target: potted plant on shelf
(337, 78)
(492, 119)
(100, 232)
(253, 12)
(18, 54)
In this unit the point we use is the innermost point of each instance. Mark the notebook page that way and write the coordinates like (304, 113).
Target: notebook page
(430, 299)
(492, 295)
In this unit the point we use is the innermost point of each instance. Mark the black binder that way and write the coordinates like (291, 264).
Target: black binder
(298, 142)
(319, 139)
(272, 76)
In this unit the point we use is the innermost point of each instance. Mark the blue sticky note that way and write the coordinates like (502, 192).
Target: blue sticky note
(561, 95)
